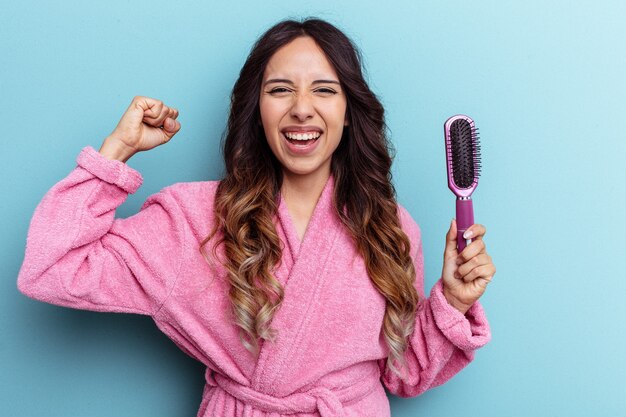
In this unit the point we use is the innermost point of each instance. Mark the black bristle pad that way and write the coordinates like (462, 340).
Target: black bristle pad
(465, 149)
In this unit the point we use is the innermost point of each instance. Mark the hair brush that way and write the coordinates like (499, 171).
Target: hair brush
(463, 163)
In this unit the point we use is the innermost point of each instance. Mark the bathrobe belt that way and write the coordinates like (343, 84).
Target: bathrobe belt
(329, 403)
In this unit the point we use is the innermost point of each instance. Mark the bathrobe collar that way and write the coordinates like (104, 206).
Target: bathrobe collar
(301, 272)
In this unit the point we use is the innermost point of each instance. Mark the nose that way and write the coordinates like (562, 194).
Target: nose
(302, 108)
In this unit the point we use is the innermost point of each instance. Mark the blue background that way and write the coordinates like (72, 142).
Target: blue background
(543, 81)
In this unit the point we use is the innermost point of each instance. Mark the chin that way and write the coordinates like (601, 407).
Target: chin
(304, 169)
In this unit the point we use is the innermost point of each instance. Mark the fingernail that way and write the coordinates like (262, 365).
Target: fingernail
(468, 234)
(459, 261)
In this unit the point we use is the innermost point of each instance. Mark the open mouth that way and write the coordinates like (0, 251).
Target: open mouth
(302, 138)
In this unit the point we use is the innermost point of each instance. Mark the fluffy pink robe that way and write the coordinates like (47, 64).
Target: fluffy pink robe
(329, 357)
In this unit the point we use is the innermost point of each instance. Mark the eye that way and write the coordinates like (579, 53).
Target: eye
(279, 90)
(326, 91)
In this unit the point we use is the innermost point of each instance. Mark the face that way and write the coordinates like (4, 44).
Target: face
(303, 108)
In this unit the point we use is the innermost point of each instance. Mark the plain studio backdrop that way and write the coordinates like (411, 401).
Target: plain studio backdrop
(543, 81)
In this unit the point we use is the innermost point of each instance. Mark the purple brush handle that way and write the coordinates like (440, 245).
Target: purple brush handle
(464, 219)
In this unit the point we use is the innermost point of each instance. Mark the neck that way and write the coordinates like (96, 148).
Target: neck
(303, 189)
(301, 192)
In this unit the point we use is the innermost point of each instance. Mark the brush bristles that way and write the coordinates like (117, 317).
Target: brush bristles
(464, 153)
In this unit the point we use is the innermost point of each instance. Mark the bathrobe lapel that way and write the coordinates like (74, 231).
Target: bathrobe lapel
(302, 272)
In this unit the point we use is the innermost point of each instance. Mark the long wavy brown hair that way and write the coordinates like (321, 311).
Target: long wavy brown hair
(364, 197)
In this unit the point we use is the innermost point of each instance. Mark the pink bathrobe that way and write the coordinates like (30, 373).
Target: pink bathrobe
(329, 356)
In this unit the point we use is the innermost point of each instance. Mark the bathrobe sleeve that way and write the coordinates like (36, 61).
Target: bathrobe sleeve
(444, 339)
(78, 255)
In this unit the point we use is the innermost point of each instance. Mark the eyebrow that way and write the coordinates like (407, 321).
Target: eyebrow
(286, 81)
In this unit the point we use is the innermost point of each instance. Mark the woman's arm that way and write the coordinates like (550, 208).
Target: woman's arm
(78, 255)
(444, 339)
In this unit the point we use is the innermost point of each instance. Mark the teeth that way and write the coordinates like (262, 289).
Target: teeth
(302, 136)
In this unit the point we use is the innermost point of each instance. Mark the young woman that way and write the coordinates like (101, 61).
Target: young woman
(297, 279)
